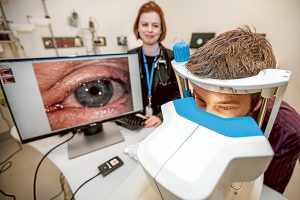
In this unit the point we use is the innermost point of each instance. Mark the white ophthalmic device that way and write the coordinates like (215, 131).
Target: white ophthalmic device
(197, 155)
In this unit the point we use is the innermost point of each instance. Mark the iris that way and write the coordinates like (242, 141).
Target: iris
(94, 93)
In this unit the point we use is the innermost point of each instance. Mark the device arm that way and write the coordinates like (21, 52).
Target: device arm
(270, 82)
(279, 98)
(266, 94)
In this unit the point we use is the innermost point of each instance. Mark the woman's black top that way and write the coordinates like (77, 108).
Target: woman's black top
(164, 86)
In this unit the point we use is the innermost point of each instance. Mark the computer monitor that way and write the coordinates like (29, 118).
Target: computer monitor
(50, 96)
(199, 39)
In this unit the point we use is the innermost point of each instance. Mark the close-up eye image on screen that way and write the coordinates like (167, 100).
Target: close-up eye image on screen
(81, 91)
(83, 94)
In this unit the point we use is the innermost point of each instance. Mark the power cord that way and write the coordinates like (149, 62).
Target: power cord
(6, 164)
(38, 166)
(238, 187)
(2, 114)
(72, 198)
(8, 195)
(104, 169)
(62, 191)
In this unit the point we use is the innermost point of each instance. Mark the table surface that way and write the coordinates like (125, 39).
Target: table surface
(127, 182)
(80, 169)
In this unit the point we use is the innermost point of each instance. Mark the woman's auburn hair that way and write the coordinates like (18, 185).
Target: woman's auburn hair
(151, 7)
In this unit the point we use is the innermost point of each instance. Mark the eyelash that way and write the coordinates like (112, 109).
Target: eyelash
(198, 99)
(155, 25)
(225, 108)
(201, 101)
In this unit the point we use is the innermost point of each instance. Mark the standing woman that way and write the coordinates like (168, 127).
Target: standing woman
(158, 79)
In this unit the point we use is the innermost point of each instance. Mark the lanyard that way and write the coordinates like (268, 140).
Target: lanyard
(149, 78)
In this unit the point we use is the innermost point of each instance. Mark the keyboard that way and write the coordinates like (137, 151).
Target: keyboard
(131, 122)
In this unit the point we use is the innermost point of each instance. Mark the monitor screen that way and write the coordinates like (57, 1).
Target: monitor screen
(48, 96)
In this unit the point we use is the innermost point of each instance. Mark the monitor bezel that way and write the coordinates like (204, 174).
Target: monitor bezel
(71, 129)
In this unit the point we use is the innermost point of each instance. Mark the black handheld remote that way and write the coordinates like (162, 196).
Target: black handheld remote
(110, 165)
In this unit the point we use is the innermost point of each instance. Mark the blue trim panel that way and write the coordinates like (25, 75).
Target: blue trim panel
(230, 127)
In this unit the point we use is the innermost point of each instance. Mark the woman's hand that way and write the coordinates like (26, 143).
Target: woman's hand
(152, 121)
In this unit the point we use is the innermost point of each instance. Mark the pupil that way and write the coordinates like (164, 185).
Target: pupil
(94, 93)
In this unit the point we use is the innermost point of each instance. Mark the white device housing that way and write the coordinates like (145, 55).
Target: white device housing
(185, 160)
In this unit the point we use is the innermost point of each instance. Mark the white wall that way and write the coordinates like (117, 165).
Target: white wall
(277, 18)
(111, 18)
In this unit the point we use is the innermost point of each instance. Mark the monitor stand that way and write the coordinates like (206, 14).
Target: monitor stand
(82, 144)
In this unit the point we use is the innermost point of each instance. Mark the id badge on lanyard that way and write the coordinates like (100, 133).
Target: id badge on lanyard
(149, 78)
(149, 110)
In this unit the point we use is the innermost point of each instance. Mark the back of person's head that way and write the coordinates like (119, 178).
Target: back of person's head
(234, 54)
(151, 7)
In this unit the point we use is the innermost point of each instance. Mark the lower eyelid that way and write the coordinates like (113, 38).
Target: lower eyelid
(226, 108)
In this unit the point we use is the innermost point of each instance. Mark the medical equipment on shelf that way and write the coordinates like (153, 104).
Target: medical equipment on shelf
(197, 155)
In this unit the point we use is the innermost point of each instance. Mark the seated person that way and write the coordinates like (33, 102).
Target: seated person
(237, 54)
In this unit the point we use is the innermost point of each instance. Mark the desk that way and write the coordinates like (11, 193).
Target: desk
(127, 182)
(80, 169)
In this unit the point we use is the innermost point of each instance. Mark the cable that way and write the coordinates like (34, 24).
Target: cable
(38, 166)
(12, 155)
(62, 183)
(57, 195)
(72, 198)
(6, 164)
(237, 188)
(5, 167)
(4, 118)
(8, 195)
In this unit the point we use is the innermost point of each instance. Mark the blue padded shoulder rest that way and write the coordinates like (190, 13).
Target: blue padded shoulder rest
(230, 127)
